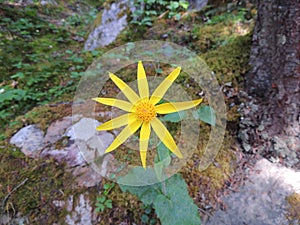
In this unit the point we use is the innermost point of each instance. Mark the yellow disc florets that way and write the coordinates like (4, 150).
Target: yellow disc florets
(145, 111)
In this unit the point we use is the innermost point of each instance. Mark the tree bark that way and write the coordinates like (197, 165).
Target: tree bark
(274, 80)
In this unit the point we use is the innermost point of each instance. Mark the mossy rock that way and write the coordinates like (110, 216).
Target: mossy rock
(230, 62)
(43, 116)
(211, 37)
(294, 209)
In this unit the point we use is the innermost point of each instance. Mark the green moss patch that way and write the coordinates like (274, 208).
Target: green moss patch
(230, 62)
(294, 208)
(45, 181)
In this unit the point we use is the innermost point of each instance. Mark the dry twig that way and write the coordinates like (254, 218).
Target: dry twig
(10, 193)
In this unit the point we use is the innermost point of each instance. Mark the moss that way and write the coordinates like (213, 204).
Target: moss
(230, 62)
(97, 22)
(210, 181)
(42, 115)
(294, 208)
(212, 36)
(46, 181)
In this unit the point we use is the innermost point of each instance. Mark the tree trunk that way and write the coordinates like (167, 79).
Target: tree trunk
(274, 81)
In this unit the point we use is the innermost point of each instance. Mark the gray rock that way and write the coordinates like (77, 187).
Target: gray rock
(86, 176)
(18, 220)
(111, 25)
(48, 2)
(89, 143)
(56, 130)
(30, 140)
(100, 142)
(69, 155)
(262, 199)
(25, 2)
(83, 151)
(197, 5)
(82, 212)
(83, 130)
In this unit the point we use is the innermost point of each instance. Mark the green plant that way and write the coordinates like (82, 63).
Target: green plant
(170, 199)
(175, 7)
(102, 201)
(37, 64)
(239, 15)
(148, 10)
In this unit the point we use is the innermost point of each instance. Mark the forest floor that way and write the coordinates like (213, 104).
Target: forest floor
(42, 62)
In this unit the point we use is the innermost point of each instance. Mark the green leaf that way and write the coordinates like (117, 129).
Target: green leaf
(184, 4)
(148, 209)
(145, 218)
(108, 204)
(174, 207)
(108, 186)
(206, 114)
(101, 199)
(153, 221)
(100, 208)
(177, 16)
(159, 70)
(173, 6)
(17, 75)
(174, 117)
(11, 94)
(134, 177)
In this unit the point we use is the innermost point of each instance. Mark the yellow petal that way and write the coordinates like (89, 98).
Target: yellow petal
(164, 135)
(144, 139)
(128, 92)
(126, 106)
(124, 135)
(171, 107)
(142, 81)
(117, 122)
(160, 91)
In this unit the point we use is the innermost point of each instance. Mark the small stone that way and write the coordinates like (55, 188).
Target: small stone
(69, 155)
(59, 204)
(228, 84)
(232, 104)
(165, 36)
(197, 5)
(247, 147)
(56, 130)
(86, 176)
(280, 145)
(83, 130)
(265, 135)
(254, 107)
(48, 2)
(261, 127)
(83, 213)
(30, 140)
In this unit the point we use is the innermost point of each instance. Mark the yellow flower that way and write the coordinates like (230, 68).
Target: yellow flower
(142, 112)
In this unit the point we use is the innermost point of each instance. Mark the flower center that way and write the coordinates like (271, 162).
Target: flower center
(145, 111)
